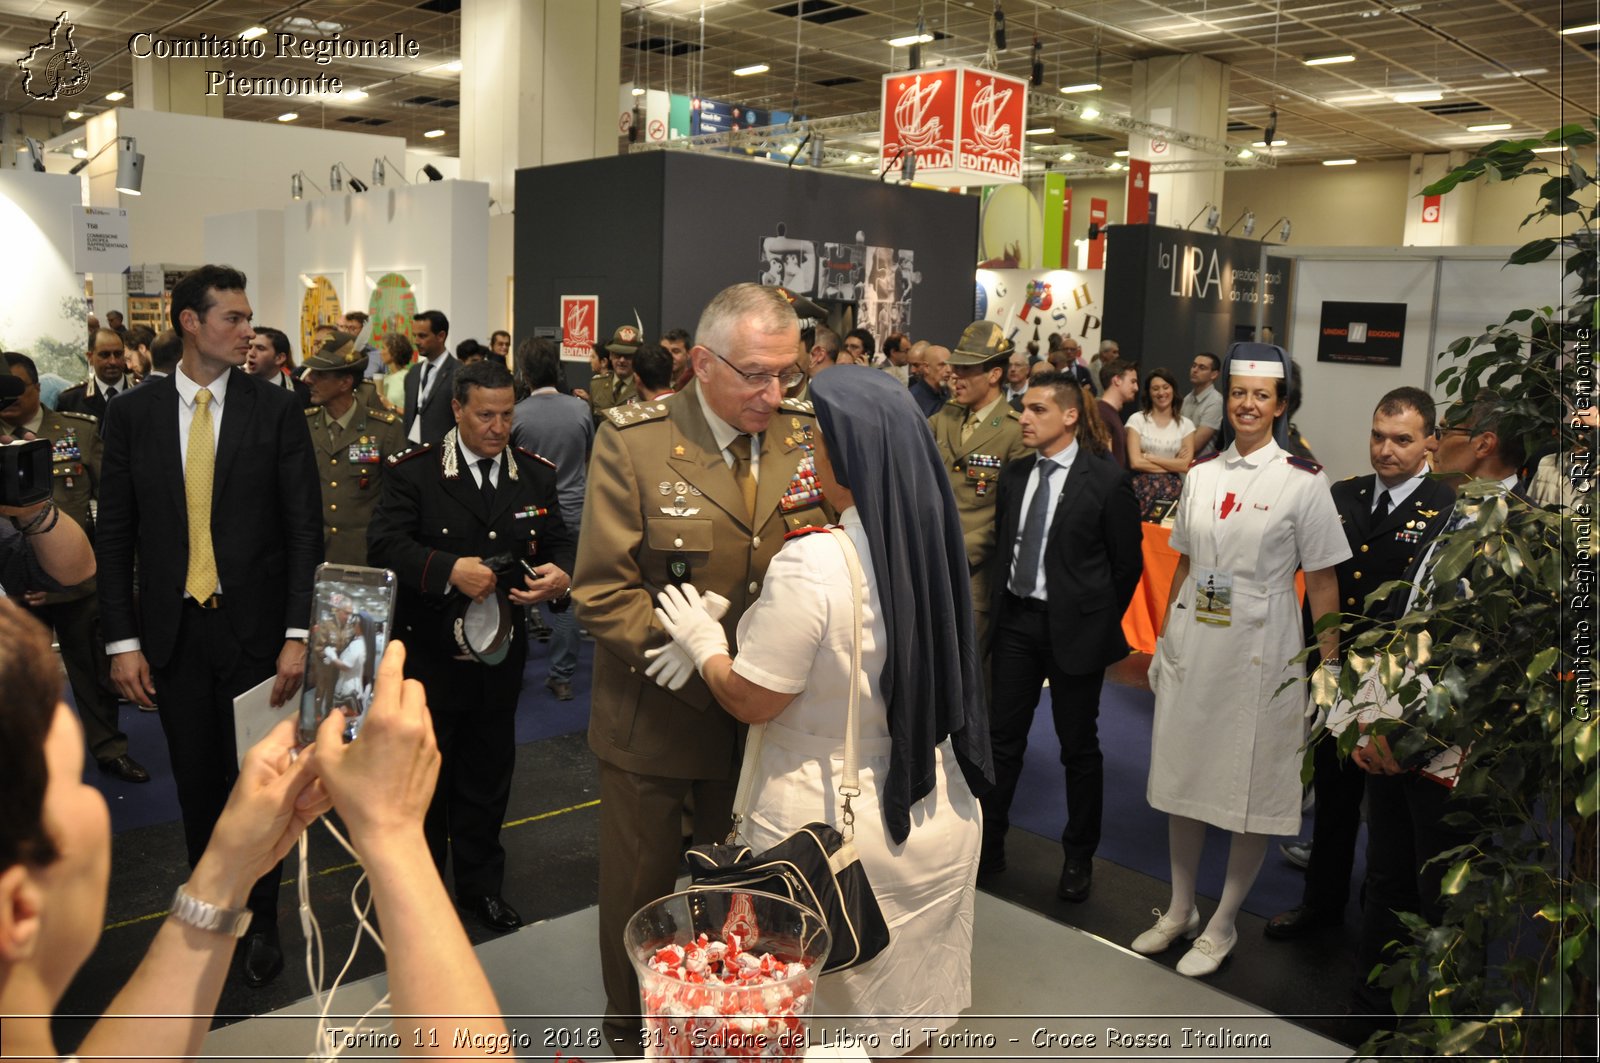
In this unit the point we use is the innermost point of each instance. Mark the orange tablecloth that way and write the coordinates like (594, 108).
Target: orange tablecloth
(1142, 622)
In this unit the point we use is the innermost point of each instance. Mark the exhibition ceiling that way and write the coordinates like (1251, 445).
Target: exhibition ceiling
(1488, 62)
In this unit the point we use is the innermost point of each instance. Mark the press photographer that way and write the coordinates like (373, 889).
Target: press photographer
(41, 549)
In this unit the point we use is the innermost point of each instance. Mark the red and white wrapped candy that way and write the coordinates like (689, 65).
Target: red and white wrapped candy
(713, 999)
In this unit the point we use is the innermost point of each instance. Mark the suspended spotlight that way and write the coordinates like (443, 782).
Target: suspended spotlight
(431, 172)
(1037, 80)
(297, 186)
(130, 165)
(999, 27)
(1211, 219)
(336, 175)
(380, 170)
(916, 44)
(1249, 219)
(1272, 126)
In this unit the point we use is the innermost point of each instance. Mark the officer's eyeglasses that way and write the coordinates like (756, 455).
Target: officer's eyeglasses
(761, 381)
(1440, 431)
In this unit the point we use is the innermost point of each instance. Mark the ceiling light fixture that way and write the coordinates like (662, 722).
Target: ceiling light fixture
(1089, 113)
(117, 95)
(1547, 151)
(288, 116)
(1419, 96)
(637, 91)
(1338, 162)
(1123, 154)
(753, 68)
(1360, 97)
(73, 116)
(253, 32)
(1591, 27)
(1246, 153)
(356, 94)
(1492, 127)
(1087, 86)
(1067, 156)
(1039, 131)
(80, 153)
(1329, 60)
(1274, 144)
(433, 134)
(910, 39)
(454, 66)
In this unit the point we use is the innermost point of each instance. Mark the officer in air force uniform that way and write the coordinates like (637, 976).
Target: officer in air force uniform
(678, 497)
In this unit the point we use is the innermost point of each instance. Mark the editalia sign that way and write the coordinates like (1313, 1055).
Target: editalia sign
(964, 124)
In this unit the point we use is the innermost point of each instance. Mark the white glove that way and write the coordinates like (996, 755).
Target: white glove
(328, 654)
(670, 666)
(683, 613)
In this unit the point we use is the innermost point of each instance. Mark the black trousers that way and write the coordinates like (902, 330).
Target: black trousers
(1339, 786)
(1023, 660)
(195, 691)
(474, 709)
(83, 652)
(1405, 830)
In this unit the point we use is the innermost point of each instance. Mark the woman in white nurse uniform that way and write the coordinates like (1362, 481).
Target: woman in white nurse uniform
(1226, 744)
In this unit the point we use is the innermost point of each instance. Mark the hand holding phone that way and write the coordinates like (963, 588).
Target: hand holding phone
(351, 613)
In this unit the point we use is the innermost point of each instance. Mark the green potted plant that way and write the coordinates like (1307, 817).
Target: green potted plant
(1507, 641)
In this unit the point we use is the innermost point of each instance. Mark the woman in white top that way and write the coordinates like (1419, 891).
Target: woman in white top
(1225, 747)
(922, 721)
(1160, 442)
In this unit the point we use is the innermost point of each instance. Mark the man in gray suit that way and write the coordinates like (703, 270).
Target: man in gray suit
(559, 428)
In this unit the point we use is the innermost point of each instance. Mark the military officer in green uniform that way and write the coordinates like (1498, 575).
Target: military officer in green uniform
(617, 388)
(978, 434)
(74, 612)
(700, 488)
(352, 440)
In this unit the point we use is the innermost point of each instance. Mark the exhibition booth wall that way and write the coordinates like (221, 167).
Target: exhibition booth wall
(661, 233)
(196, 167)
(42, 313)
(389, 252)
(1031, 304)
(1444, 296)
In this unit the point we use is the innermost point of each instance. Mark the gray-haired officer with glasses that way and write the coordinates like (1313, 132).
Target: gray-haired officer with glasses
(701, 488)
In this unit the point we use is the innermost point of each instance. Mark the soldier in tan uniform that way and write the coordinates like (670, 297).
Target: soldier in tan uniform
(352, 440)
(74, 612)
(978, 434)
(616, 388)
(677, 496)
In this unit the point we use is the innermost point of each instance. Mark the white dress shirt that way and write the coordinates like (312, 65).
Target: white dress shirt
(1058, 482)
(724, 433)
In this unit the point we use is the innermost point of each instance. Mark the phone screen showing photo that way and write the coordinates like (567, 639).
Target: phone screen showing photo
(351, 612)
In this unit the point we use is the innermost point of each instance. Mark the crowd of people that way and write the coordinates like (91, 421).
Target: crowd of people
(672, 506)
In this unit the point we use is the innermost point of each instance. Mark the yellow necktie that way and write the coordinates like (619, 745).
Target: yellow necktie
(968, 427)
(742, 472)
(198, 468)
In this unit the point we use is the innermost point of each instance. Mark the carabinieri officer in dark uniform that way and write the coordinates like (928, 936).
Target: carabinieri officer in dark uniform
(463, 520)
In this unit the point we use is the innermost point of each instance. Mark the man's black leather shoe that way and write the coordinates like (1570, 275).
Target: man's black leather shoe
(493, 912)
(125, 768)
(263, 957)
(1075, 877)
(1300, 921)
(560, 688)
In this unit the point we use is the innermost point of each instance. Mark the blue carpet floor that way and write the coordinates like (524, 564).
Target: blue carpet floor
(1134, 834)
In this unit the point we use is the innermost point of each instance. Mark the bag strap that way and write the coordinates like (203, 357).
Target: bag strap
(850, 780)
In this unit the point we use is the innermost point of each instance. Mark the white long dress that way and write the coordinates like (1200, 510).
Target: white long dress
(1226, 745)
(796, 639)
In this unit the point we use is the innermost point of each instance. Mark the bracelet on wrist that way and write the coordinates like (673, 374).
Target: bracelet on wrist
(55, 518)
(37, 519)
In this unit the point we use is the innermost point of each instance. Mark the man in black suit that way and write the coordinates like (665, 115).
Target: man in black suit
(225, 529)
(468, 518)
(272, 359)
(428, 413)
(1067, 561)
(1389, 517)
(108, 376)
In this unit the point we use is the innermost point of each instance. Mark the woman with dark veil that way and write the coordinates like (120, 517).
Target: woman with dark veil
(922, 720)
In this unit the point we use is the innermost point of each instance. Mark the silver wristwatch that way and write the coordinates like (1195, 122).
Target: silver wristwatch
(203, 915)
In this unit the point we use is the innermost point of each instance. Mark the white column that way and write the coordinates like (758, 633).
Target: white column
(1453, 224)
(177, 86)
(538, 86)
(1190, 93)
